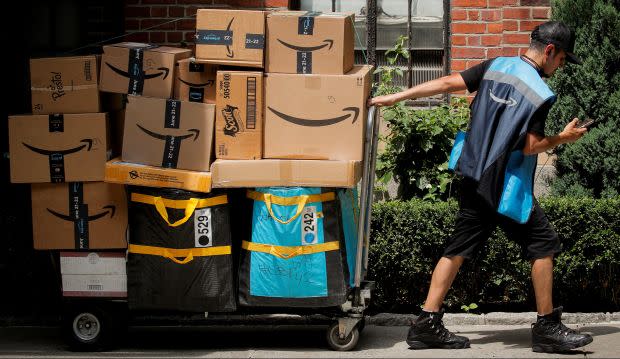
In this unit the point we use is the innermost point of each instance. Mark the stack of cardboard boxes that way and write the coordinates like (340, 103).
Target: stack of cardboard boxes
(61, 148)
(215, 120)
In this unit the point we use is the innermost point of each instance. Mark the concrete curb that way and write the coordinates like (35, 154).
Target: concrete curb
(495, 318)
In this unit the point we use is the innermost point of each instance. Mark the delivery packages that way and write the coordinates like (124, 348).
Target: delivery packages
(179, 255)
(239, 116)
(93, 274)
(296, 256)
(285, 173)
(79, 215)
(195, 82)
(316, 116)
(117, 171)
(168, 133)
(65, 85)
(58, 148)
(140, 69)
(309, 42)
(230, 37)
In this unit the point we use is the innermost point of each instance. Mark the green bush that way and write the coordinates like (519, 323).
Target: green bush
(419, 141)
(591, 166)
(407, 240)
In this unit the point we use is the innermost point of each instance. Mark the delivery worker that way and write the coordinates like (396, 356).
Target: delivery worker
(497, 159)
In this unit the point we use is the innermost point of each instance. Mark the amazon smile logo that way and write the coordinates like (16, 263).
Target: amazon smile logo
(194, 133)
(136, 71)
(88, 143)
(191, 84)
(354, 111)
(327, 42)
(509, 103)
(108, 210)
(229, 51)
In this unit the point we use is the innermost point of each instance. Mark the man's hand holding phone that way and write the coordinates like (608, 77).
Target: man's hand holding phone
(585, 123)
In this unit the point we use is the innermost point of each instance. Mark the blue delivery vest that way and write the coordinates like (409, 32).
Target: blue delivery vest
(490, 152)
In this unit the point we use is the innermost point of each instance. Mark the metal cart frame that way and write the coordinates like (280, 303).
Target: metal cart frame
(91, 324)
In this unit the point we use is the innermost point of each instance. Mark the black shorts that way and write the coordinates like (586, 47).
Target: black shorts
(476, 221)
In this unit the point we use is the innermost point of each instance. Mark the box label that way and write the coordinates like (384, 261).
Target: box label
(171, 152)
(254, 41)
(214, 37)
(304, 62)
(305, 23)
(57, 167)
(135, 71)
(250, 105)
(78, 211)
(196, 67)
(172, 117)
(196, 94)
(56, 123)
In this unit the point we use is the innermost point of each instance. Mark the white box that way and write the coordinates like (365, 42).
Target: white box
(94, 274)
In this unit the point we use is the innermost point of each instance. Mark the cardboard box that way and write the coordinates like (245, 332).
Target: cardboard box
(79, 215)
(140, 69)
(195, 82)
(168, 133)
(324, 118)
(58, 148)
(305, 173)
(239, 116)
(65, 85)
(310, 42)
(230, 37)
(93, 274)
(117, 171)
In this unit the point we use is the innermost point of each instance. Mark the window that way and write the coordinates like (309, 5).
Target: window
(427, 27)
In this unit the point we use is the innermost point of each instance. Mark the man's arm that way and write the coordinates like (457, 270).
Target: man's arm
(444, 84)
(535, 143)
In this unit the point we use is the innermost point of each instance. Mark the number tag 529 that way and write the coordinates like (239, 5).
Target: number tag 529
(309, 226)
(203, 230)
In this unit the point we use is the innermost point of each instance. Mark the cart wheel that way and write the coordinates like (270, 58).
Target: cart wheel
(342, 345)
(86, 329)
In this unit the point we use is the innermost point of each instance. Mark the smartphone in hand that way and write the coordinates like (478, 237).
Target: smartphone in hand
(585, 123)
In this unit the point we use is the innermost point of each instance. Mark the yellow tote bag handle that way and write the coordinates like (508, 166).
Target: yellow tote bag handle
(303, 199)
(189, 210)
(189, 258)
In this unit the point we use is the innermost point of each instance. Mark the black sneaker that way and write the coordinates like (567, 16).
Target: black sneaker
(428, 331)
(549, 335)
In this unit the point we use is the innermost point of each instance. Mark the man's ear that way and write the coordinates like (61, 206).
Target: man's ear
(549, 50)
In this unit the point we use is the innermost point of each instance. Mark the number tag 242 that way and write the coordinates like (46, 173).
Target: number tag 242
(309, 223)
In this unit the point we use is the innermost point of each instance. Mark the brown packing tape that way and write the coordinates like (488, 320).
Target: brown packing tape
(286, 170)
(68, 88)
(313, 82)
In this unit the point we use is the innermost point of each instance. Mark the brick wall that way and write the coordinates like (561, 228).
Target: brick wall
(155, 21)
(483, 29)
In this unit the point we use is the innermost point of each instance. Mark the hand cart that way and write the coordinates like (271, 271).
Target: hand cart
(92, 324)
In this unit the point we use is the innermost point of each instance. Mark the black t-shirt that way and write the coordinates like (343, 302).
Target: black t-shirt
(473, 78)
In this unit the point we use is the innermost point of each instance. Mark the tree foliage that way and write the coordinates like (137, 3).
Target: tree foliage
(590, 166)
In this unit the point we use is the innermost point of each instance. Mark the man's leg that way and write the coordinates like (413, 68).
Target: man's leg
(428, 330)
(443, 276)
(542, 279)
(549, 334)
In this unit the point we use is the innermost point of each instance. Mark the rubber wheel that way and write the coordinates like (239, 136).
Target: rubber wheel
(342, 345)
(86, 329)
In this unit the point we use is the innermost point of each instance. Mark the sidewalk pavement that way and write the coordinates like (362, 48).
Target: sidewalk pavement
(303, 341)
